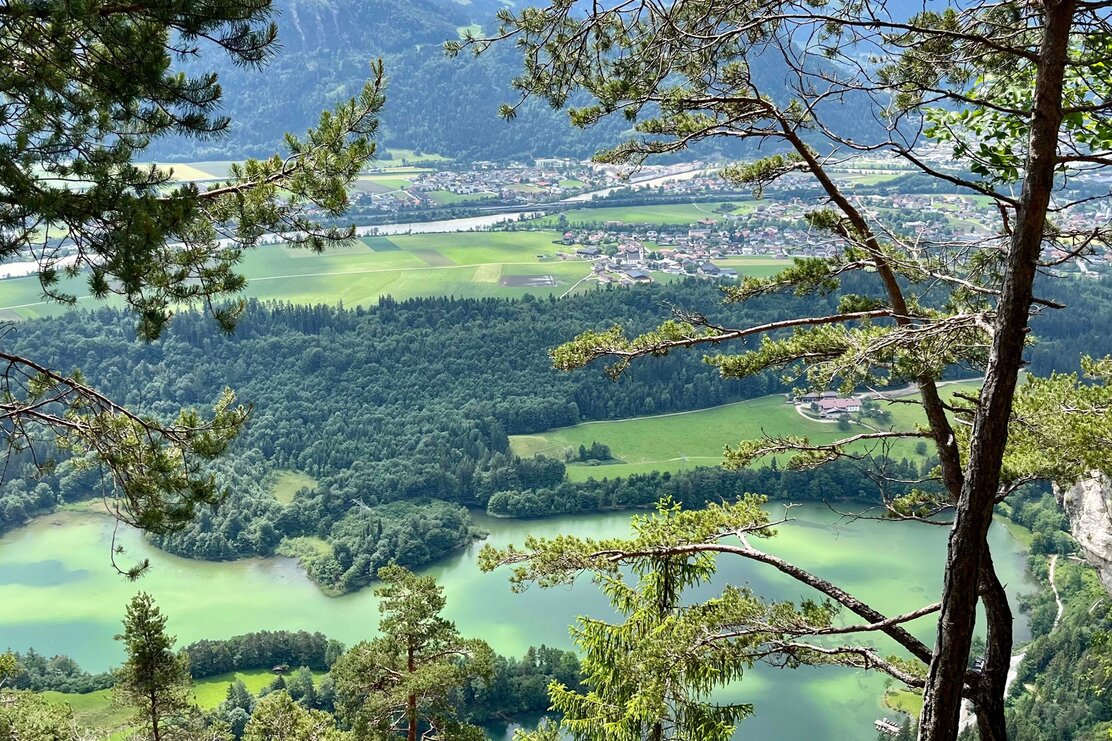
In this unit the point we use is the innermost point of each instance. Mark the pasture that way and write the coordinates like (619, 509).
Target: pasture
(671, 214)
(461, 264)
(677, 441)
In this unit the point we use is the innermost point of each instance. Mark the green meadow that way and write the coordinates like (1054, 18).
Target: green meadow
(211, 691)
(666, 214)
(287, 483)
(673, 442)
(462, 264)
(97, 710)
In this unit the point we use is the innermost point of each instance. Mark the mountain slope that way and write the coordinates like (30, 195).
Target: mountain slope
(435, 104)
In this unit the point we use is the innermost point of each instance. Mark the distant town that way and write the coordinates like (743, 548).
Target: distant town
(577, 199)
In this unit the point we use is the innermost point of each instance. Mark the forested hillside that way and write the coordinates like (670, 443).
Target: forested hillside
(401, 413)
(435, 104)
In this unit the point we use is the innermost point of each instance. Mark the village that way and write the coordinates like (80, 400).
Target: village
(629, 252)
(732, 221)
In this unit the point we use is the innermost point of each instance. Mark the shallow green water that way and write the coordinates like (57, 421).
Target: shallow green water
(59, 594)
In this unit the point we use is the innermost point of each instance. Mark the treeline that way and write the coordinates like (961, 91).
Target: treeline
(518, 686)
(1062, 337)
(840, 479)
(411, 402)
(262, 650)
(515, 687)
(38, 673)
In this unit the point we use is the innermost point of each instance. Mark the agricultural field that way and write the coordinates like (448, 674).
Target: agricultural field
(756, 266)
(666, 214)
(463, 264)
(673, 442)
(409, 157)
(871, 178)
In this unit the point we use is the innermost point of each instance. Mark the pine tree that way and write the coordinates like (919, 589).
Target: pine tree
(87, 87)
(402, 682)
(153, 679)
(279, 718)
(1010, 90)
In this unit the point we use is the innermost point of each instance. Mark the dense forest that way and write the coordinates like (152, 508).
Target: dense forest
(401, 413)
(1068, 668)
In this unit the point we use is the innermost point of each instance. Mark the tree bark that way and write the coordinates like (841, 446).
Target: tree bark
(411, 700)
(966, 547)
(989, 696)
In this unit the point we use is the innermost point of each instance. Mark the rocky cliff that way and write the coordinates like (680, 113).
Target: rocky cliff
(1088, 504)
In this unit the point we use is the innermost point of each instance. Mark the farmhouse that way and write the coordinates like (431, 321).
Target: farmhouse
(832, 407)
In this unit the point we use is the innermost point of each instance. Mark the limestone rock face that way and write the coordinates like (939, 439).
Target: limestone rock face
(1088, 504)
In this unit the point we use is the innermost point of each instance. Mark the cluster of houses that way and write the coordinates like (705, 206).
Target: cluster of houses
(775, 226)
(631, 261)
(828, 404)
(540, 183)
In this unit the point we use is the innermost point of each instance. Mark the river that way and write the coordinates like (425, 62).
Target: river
(472, 223)
(59, 594)
(442, 226)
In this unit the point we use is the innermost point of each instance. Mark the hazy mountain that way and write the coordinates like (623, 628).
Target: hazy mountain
(435, 104)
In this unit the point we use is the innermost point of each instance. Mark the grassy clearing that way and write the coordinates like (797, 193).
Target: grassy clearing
(288, 483)
(1020, 533)
(875, 178)
(387, 182)
(673, 442)
(904, 701)
(758, 267)
(211, 691)
(94, 710)
(22, 298)
(409, 156)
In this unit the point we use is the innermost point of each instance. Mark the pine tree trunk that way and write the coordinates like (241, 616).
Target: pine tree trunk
(411, 700)
(998, 655)
(973, 515)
